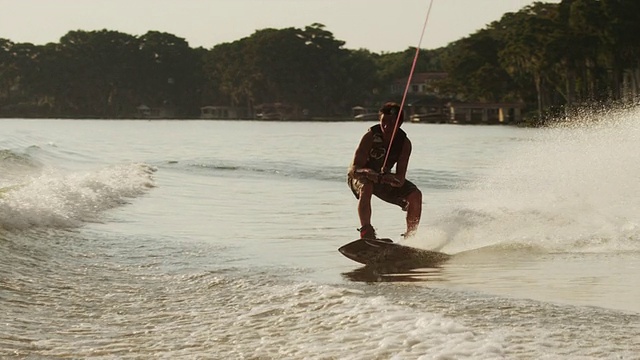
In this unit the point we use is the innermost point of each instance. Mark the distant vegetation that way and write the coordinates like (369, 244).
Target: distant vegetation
(550, 56)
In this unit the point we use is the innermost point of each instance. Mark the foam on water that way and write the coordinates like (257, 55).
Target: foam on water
(224, 314)
(573, 187)
(55, 198)
(200, 269)
(343, 323)
(216, 315)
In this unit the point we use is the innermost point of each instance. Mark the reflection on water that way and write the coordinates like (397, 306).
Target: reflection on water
(554, 277)
(527, 272)
(380, 274)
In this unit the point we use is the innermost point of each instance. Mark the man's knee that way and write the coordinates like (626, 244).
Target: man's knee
(415, 197)
(366, 191)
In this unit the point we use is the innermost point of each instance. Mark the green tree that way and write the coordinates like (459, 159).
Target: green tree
(230, 76)
(166, 72)
(302, 68)
(474, 69)
(8, 71)
(527, 38)
(361, 82)
(92, 69)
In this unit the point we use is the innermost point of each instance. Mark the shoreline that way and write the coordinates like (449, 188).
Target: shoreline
(326, 120)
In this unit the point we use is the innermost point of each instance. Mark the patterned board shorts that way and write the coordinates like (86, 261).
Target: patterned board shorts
(385, 192)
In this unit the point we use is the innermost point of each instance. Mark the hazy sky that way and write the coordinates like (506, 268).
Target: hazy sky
(377, 25)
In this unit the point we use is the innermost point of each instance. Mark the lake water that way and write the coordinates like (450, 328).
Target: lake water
(218, 240)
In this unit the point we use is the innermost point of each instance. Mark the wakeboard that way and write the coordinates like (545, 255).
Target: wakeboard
(386, 253)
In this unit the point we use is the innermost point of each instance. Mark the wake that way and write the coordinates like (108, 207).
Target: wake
(572, 187)
(55, 199)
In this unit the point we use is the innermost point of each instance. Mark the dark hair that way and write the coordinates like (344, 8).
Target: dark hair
(393, 109)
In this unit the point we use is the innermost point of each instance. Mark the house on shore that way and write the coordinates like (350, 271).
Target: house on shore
(278, 111)
(485, 113)
(361, 113)
(422, 84)
(426, 104)
(222, 113)
(160, 112)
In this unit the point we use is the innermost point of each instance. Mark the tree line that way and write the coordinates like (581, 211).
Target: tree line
(552, 56)
(548, 56)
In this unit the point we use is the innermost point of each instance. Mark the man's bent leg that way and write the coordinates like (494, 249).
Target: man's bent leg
(364, 212)
(364, 204)
(414, 211)
(363, 191)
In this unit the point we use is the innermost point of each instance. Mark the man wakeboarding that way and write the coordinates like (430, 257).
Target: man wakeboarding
(381, 147)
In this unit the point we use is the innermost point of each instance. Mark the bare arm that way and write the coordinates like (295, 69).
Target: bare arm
(398, 178)
(357, 168)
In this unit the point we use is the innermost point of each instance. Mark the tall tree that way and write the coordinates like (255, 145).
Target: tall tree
(168, 73)
(475, 72)
(527, 46)
(8, 71)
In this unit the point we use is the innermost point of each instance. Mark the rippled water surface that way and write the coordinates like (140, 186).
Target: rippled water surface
(218, 239)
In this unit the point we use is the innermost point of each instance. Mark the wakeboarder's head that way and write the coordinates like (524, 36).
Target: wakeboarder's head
(389, 113)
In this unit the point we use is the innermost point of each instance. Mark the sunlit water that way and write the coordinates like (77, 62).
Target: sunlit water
(216, 239)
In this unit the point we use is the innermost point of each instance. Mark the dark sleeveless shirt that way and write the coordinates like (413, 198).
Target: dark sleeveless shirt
(379, 149)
